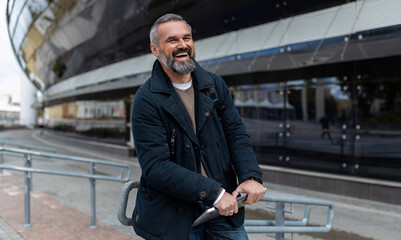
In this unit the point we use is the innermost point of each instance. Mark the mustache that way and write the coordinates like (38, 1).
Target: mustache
(182, 50)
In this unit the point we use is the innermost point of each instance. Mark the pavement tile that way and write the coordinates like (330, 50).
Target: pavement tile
(7, 232)
(50, 218)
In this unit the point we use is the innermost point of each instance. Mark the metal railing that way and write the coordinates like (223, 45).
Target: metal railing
(122, 207)
(6, 142)
(273, 228)
(123, 176)
(10, 143)
(279, 226)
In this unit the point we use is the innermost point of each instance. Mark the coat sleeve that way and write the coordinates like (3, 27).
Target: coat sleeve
(238, 140)
(163, 175)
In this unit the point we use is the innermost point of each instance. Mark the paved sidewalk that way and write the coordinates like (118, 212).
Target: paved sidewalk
(50, 218)
(7, 232)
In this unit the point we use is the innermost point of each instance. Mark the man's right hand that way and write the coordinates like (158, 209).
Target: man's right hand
(227, 206)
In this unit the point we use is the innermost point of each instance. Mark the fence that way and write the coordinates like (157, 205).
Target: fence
(123, 176)
(274, 228)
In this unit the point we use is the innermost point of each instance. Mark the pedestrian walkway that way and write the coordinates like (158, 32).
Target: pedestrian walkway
(50, 218)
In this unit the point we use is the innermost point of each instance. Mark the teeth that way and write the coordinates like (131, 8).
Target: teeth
(181, 54)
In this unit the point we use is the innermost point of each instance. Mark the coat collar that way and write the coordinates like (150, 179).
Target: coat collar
(160, 82)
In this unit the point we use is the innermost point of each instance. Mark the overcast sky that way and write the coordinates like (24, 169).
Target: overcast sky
(10, 72)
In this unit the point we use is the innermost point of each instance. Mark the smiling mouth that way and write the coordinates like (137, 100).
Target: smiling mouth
(181, 53)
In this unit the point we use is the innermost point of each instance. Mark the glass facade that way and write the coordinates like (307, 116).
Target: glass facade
(341, 117)
(57, 39)
(349, 126)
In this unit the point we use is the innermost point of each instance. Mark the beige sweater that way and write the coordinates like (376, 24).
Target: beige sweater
(188, 99)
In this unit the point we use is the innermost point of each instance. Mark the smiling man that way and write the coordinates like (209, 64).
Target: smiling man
(194, 151)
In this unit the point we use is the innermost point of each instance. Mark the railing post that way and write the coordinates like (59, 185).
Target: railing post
(93, 195)
(1, 158)
(27, 200)
(279, 219)
(28, 163)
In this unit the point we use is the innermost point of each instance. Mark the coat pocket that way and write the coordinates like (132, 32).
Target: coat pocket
(146, 215)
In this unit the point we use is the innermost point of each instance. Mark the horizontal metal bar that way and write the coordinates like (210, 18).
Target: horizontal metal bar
(27, 146)
(22, 155)
(275, 197)
(61, 173)
(60, 156)
(255, 223)
(291, 210)
(285, 229)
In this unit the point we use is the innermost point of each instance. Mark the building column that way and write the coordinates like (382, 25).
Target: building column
(28, 114)
(304, 99)
(128, 131)
(256, 98)
(319, 99)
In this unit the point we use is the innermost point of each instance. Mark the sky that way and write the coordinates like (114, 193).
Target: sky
(10, 72)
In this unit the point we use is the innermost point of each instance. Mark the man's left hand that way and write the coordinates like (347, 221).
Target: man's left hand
(255, 191)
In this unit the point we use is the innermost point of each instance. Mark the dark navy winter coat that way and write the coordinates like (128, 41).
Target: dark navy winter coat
(169, 152)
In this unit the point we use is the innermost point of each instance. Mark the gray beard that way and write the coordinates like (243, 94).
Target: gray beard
(179, 68)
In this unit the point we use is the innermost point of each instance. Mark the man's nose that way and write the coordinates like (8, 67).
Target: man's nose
(182, 43)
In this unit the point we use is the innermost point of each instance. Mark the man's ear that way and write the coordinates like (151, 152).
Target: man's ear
(154, 49)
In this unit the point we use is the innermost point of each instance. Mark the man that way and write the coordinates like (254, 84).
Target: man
(192, 152)
(324, 121)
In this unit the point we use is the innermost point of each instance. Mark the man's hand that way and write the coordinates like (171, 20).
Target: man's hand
(227, 205)
(255, 191)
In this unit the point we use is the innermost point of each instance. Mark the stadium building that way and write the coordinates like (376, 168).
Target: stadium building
(318, 83)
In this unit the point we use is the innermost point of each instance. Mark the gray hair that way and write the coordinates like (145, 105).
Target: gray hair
(169, 17)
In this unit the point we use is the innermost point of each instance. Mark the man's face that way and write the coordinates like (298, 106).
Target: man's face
(176, 48)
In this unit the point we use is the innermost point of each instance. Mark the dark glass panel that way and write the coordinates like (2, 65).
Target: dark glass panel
(377, 130)
(301, 123)
(259, 107)
(316, 114)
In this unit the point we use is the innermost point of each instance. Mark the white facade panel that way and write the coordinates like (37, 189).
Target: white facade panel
(61, 40)
(276, 39)
(343, 21)
(379, 14)
(215, 47)
(255, 38)
(309, 27)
